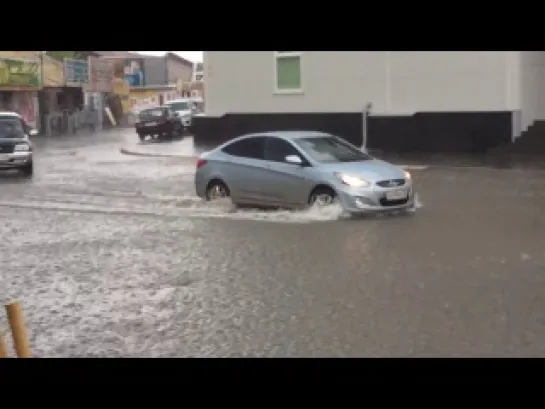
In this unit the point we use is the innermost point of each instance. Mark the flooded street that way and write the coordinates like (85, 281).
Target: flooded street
(113, 255)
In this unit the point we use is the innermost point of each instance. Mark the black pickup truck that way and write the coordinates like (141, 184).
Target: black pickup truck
(160, 123)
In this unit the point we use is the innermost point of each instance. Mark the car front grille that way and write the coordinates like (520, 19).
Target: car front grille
(384, 202)
(6, 147)
(391, 183)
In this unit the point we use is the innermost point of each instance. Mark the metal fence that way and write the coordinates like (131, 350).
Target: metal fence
(72, 122)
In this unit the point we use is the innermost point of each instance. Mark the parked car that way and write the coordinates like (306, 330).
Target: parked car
(159, 122)
(184, 109)
(15, 145)
(301, 168)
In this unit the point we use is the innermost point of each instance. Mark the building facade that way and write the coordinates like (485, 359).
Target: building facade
(198, 72)
(393, 101)
(142, 81)
(178, 68)
(20, 81)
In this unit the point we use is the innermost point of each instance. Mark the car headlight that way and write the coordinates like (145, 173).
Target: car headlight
(408, 175)
(22, 147)
(353, 181)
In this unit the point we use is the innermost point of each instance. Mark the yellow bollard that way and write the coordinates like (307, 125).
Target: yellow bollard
(18, 330)
(3, 348)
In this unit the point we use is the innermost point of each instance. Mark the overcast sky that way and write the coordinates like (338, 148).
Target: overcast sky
(195, 56)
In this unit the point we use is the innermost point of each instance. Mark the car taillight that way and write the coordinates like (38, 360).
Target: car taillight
(200, 163)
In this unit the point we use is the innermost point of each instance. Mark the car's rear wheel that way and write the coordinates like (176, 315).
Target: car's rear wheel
(216, 190)
(322, 196)
(142, 137)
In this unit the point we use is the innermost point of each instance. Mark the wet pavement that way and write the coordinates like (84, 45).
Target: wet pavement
(112, 255)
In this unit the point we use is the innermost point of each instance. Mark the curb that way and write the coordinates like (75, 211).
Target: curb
(125, 151)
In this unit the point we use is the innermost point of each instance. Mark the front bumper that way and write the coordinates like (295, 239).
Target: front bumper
(15, 160)
(374, 199)
(154, 130)
(186, 122)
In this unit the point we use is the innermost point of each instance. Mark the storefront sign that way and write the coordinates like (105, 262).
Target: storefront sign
(101, 75)
(76, 72)
(19, 74)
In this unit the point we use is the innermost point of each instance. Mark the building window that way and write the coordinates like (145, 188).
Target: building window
(288, 72)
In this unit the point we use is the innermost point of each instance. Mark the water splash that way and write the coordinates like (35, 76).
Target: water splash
(224, 208)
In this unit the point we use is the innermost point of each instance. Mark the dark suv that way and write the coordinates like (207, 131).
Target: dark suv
(15, 146)
(159, 123)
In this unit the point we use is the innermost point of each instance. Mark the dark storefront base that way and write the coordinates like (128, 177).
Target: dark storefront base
(210, 131)
(424, 132)
(439, 132)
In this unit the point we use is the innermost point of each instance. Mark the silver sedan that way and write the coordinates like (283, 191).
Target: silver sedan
(302, 168)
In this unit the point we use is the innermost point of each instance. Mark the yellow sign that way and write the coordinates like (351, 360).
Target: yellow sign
(19, 73)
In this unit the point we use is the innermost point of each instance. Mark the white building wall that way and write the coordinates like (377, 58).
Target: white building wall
(395, 82)
(532, 87)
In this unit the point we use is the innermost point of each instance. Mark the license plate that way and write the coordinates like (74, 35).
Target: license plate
(151, 124)
(396, 194)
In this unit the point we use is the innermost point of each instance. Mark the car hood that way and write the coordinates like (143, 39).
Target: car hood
(13, 141)
(372, 170)
(183, 113)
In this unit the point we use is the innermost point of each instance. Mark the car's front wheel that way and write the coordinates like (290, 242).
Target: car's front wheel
(216, 189)
(28, 170)
(322, 196)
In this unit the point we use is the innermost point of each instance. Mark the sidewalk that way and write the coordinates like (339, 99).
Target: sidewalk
(183, 148)
(81, 139)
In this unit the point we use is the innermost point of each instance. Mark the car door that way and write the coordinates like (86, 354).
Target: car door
(173, 119)
(284, 182)
(246, 169)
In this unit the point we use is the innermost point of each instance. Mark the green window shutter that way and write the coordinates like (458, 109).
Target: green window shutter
(288, 72)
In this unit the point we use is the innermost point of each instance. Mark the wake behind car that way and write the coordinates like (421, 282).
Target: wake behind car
(15, 146)
(302, 168)
(159, 122)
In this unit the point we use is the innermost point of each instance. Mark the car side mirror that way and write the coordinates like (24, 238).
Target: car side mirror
(294, 160)
(33, 132)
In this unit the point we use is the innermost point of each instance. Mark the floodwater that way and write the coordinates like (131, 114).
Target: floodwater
(113, 255)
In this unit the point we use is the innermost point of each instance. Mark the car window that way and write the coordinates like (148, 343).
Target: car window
(180, 106)
(330, 149)
(152, 113)
(11, 127)
(253, 148)
(277, 149)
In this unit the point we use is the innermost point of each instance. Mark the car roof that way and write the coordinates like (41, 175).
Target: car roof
(178, 100)
(8, 113)
(291, 134)
(152, 108)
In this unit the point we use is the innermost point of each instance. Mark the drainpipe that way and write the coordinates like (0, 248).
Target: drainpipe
(366, 111)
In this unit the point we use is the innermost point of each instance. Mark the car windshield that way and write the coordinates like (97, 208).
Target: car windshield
(179, 106)
(11, 127)
(330, 149)
(152, 113)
